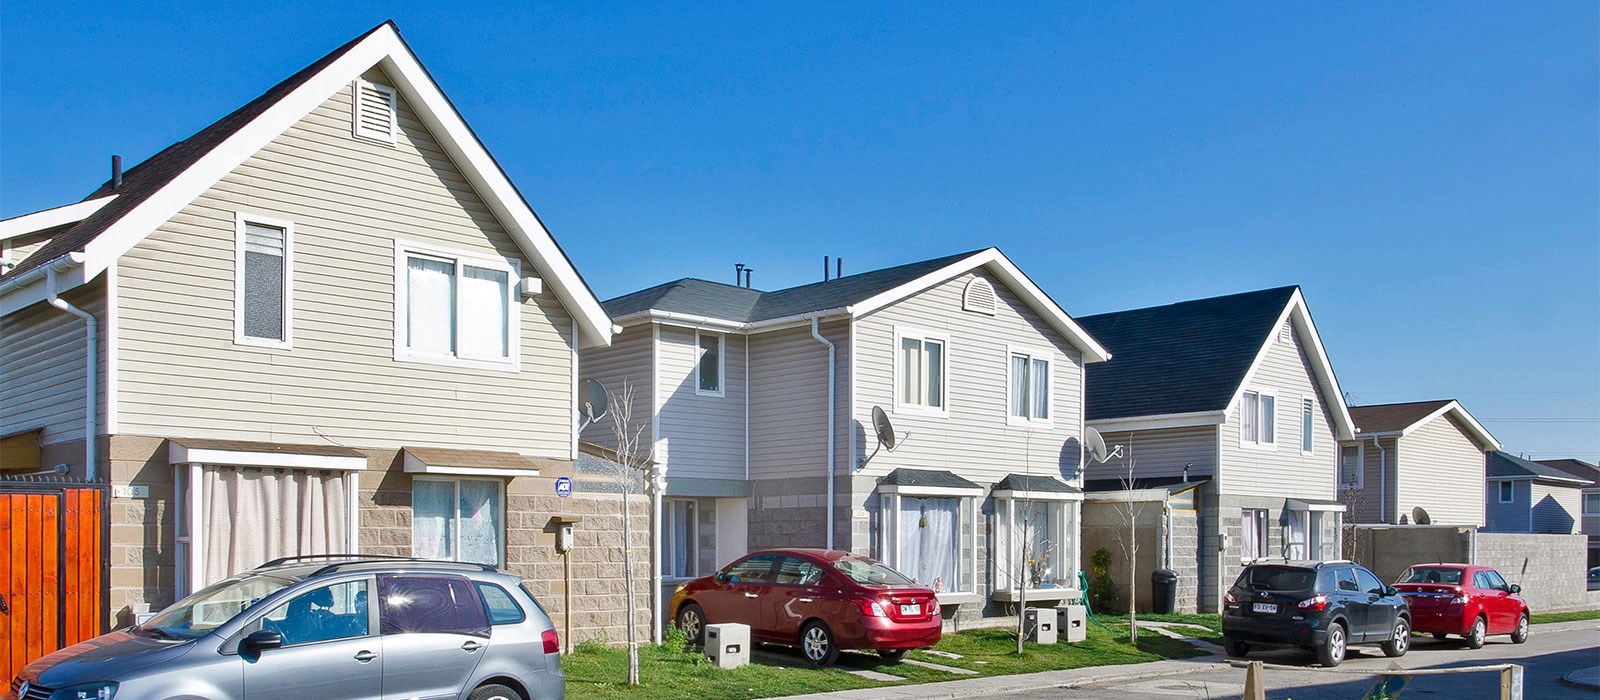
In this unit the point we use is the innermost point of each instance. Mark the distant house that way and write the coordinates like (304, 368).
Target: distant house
(1417, 461)
(1591, 499)
(759, 407)
(1526, 496)
(1235, 391)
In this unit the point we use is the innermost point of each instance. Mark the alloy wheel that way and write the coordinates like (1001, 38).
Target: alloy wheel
(816, 644)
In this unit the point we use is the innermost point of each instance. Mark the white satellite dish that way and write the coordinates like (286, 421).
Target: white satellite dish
(592, 402)
(1097, 446)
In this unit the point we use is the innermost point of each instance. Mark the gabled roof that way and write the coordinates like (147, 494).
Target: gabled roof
(742, 308)
(1506, 466)
(1575, 467)
(1400, 419)
(1192, 359)
(156, 189)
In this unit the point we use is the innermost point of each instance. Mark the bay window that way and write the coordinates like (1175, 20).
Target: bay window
(1312, 531)
(1034, 543)
(930, 536)
(454, 308)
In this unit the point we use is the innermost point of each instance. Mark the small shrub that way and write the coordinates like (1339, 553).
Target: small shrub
(1101, 589)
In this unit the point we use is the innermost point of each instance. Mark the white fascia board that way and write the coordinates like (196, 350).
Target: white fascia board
(1011, 495)
(1321, 368)
(723, 325)
(416, 466)
(1296, 504)
(1169, 420)
(930, 490)
(179, 454)
(1478, 432)
(1013, 278)
(18, 292)
(25, 224)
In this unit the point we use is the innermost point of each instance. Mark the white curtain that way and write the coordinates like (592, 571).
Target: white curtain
(1247, 417)
(1250, 544)
(928, 541)
(910, 371)
(1294, 535)
(935, 361)
(430, 305)
(433, 520)
(483, 312)
(254, 515)
(1019, 386)
(1041, 389)
(480, 521)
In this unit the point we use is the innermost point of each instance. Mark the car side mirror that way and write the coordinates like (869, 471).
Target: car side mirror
(260, 640)
(1390, 591)
(1516, 588)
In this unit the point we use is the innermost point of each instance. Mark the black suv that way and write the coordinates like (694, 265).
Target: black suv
(1324, 606)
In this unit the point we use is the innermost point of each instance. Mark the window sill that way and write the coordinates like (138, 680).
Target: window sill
(1262, 446)
(248, 341)
(711, 394)
(1037, 595)
(958, 598)
(1045, 424)
(911, 410)
(511, 366)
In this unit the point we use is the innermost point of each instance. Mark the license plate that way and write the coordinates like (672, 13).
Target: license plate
(1264, 607)
(912, 609)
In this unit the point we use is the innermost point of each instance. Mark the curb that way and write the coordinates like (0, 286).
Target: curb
(1583, 678)
(1009, 684)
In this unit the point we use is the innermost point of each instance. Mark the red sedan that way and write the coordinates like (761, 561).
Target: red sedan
(1461, 599)
(818, 600)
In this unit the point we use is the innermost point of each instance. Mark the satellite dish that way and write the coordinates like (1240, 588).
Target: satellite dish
(592, 402)
(885, 429)
(1097, 446)
(1420, 516)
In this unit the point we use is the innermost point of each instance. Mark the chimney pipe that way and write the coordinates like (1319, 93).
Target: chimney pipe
(738, 272)
(747, 272)
(116, 172)
(825, 262)
(840, 271)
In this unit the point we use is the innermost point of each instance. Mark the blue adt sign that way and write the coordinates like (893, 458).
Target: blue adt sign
(564, 486)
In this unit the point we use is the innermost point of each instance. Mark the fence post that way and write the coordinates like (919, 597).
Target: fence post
(1511, 683)
(1255, 688)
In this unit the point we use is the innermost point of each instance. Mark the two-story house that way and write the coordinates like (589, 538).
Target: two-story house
(1591, 500)
(1237, 392)
(1527, 496)
(760, 407)
(1420, 462)
(326, 323)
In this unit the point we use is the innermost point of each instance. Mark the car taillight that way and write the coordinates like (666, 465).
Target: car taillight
(1229, 598)
(870, 607)
(1317, 602)
(1459, 600)
(552, 641)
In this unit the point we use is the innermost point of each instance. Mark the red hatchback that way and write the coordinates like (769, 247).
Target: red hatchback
(1471, 601)
(819, 600)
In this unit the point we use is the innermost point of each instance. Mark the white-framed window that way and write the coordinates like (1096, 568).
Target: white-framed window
(457, 308)
(709, 361)
(1033, 543)
(263, 284)
(922, 363)
(1351, 472)
(1508, 491)
(680, 558)
(375, 111)
(1591, 504)
(1308, 423)
(1258, 420)
(1253, 534)
(1312, 534)
(931, 538)
(1030, 376)
(458, 519)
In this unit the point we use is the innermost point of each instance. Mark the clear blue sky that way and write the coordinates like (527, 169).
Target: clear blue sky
(1429, 173)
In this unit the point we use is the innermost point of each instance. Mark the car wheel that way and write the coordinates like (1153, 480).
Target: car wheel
(1235, 647)
(1401, 641)
(1480, 629)
(1521, 635)
(893, 655)
(692, 620)
(1331, 653)
(817, 645)
(1440, 635)
(494, 692)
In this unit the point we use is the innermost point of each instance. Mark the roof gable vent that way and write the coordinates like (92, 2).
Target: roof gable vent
(1286, 333)
(375, 111)
(978, 297)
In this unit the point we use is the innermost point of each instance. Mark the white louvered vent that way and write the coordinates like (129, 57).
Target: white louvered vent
(375, 110)
(1286, 333)
(978, 297)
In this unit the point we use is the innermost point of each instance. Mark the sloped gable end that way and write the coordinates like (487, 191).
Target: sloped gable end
(1298, 319)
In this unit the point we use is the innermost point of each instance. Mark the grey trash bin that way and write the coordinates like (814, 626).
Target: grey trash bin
(1163, 591)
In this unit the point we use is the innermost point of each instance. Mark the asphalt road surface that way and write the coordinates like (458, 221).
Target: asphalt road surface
(1548, 654)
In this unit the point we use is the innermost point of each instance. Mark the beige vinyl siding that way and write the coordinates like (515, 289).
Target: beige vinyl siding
(1367, 503)
(788, 402)
(18, 249)
(350, 200)
(1161, 453)
(702, 436)
(1441, 470)
(1283, 471)
(42, 367)
(1556, 509)
(975, 440)
(624, 363)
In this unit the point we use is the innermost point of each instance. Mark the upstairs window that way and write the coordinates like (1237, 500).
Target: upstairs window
(375, 111)
(1257, 426)
(1591, 504)
(1508, 491)
(1030, 386)
(1350, 471)
(708, 368)
(454, 308)
(1308, 410)
(262, 298)
(922, 372)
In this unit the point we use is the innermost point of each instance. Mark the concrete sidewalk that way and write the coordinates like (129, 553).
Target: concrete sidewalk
(995, 685)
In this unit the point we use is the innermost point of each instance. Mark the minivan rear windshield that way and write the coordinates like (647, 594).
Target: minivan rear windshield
(1431, 574)
(1277, 578)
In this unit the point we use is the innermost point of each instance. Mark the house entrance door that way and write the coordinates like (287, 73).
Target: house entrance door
(52, 540)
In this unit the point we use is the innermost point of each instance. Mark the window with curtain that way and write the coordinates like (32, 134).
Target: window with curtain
(1030, 387)
(680, 557)
(1296, 534)
(1033, 537)
(1307, 426)
(929, 541)
(253, 515)
(1252, 533)
(456, 308)
(264, 281)
(922, 372)
(457, 519)
(708, 366)
(1350, 475)
(1256, 419)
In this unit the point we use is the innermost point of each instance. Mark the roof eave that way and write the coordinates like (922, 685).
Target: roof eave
(18, 226)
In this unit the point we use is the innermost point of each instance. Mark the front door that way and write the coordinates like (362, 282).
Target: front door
(51, 540)
(328, 652)
(435, 631)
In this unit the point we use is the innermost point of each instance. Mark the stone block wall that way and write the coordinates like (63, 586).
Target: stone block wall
(1548, 567)
(789, 513)
(141, 547)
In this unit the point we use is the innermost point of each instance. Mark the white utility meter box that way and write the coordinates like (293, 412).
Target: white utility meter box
(1041, 625)
(1073, 623)
(728, 645)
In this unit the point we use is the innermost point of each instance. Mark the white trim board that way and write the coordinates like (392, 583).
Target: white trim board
(180, 454)
(1321, 367)
(1474, 428)
(18, 226)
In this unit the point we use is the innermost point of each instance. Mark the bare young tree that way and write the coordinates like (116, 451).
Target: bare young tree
(633, 461)
(1130, 509)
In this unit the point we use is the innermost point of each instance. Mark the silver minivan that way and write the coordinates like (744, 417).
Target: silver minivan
(302, 628)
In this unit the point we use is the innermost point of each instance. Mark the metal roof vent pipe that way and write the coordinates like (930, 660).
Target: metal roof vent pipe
(826, 263)
(747, 272)
(738, 274)
(116, 172)
(839, 267)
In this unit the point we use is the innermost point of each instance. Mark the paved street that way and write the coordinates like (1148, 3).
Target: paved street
(1551, 652)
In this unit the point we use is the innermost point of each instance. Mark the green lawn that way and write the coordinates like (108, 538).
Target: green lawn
(1211, 623)
(1565, 616)
(595, 671)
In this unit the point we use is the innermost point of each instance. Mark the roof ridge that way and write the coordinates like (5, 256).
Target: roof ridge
(1220, 297)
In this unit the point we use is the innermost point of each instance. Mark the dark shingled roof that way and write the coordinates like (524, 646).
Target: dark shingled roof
(145, 179)
(697, 297)
(1507, 465)
(1179, 358)
(1040, 484)
(926, 477)
(1575, 467)
(1392, 417)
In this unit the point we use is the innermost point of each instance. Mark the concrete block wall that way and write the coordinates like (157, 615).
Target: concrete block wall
(1548, 567)
(143, 561)
(789, 513)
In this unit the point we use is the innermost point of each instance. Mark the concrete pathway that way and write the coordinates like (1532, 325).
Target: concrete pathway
(994, 685)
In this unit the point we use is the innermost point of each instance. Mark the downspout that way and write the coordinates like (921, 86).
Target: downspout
(815, 333)
(91, 398)
(1383, 479)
